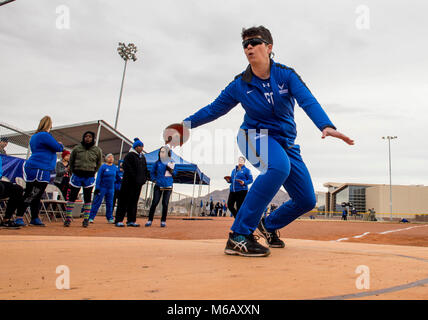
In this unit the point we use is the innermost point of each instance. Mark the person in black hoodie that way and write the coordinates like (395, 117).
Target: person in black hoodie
(135, 175)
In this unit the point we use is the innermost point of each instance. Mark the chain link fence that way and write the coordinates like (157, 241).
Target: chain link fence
(14, 141)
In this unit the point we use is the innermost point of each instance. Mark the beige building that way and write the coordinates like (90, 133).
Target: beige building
(407, 201)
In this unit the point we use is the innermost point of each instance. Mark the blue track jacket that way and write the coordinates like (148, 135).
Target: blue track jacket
(244, 174)
(157, 173)
(260, 112)
(107, 177)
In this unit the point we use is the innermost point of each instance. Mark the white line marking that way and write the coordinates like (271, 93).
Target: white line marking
(361, 235)
(396, 230)
(341, 239)
(384, 232)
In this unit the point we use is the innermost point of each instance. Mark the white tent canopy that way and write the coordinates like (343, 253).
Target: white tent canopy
(107, 138)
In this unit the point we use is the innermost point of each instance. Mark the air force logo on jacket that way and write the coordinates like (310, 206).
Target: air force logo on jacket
(278, 117)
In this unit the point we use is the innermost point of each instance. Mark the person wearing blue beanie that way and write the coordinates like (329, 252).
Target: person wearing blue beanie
(135, 175)
(137, 143)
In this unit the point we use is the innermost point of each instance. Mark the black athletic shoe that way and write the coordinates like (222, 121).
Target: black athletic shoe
(245, 245)
(67, 222)
(10, 224)
(85, 223)
(272, 238)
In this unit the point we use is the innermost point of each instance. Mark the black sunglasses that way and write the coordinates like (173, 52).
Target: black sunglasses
(253, 41)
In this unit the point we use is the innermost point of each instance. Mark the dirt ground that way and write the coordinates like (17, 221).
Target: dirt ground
(185, 260)
(218, 228)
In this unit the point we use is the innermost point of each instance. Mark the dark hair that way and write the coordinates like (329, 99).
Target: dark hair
(168, 150)
(261, 31)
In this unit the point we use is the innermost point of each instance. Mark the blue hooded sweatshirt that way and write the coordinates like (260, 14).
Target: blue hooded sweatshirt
(244, 174)
(43, 151)
(273, 109)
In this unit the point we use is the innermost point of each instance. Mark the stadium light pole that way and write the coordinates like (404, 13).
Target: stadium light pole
(6, 2)
(389, 138)
(126, 52)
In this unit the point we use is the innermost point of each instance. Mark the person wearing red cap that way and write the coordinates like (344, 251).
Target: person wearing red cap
(62, 171)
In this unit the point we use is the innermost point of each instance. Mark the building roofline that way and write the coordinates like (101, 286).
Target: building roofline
(344, 184)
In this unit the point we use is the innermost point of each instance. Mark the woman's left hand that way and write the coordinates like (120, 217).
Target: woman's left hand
(334, 133)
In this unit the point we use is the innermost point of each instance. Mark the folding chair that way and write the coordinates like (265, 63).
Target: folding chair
(2, 208)
(54, 206)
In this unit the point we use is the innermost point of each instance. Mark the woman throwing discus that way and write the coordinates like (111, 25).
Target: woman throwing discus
(267, 91)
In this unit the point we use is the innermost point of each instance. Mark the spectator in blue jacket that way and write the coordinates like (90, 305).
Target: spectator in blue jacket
(14, 194)
(345, 214)
(37, 170)
(162, 173)
(267, 91)
(104, 188)
(118, 182)
(239, 180)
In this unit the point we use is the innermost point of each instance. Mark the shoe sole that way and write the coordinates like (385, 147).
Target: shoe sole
(275, 246)
(35, 225)
(243, 254)
(11, 228)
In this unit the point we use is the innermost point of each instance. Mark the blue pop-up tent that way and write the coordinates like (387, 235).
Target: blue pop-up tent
(187, 173)
(12, 167)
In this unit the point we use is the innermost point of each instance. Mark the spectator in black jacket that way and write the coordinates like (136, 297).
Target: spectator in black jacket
(135, 175)
(14, 193)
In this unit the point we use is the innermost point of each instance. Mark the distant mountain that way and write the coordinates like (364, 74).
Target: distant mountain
(220, 195)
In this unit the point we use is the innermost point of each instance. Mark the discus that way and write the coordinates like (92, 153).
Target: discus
(176, 134)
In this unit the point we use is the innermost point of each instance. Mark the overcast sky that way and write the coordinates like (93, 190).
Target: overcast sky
(371, 82)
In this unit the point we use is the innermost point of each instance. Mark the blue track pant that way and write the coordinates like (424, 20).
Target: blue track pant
(279, 166)
(108, 194)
